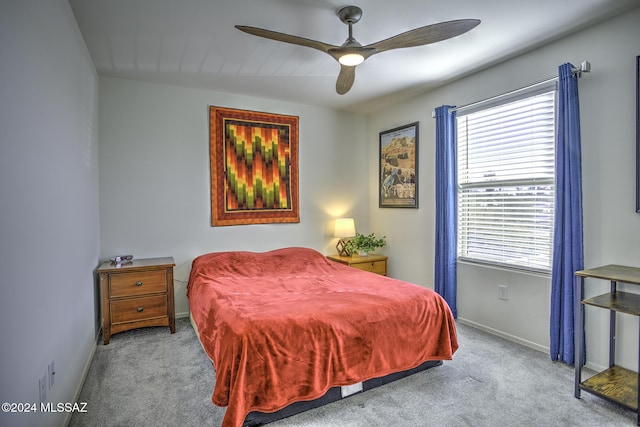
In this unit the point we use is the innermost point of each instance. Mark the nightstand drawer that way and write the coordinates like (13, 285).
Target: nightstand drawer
(378, 267)
(131, 284)
(373, 263)
(133, 309)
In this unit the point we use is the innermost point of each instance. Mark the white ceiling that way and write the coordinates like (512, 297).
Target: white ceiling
(194, 43)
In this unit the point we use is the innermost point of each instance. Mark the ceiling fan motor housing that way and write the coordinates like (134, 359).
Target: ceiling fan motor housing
(350, 14)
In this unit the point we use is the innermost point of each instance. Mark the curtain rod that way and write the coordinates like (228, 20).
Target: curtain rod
(585, 67)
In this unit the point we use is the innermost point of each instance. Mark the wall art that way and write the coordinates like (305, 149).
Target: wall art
(254, 167)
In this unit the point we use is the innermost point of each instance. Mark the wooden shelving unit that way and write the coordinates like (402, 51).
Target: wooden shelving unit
(616, 384)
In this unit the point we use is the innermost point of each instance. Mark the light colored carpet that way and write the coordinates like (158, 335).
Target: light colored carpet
(149, 377)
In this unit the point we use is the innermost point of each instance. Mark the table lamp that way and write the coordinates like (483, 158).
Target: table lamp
(344, 228)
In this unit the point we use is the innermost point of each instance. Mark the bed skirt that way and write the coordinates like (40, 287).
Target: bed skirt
(333, 395)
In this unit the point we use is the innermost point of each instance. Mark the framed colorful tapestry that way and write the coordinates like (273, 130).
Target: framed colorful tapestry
(254, 167)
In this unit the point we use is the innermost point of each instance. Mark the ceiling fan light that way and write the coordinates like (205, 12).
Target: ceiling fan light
(351, 59)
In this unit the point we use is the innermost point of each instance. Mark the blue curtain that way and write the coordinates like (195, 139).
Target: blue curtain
(445, 251)
(568, 254)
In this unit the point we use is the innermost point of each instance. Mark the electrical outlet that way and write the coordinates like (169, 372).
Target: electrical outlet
(502, 292)
(52, 374)
(42, 382)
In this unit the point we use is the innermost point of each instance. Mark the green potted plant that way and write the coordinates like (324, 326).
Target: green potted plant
(363, 245)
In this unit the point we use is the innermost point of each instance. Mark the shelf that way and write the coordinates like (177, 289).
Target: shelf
(617, 384)
(618, 273)
(623, 302)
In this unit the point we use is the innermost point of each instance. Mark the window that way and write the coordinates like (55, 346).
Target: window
(506, 170)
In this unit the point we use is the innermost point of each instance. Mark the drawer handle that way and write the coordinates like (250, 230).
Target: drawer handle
(140, 309)
(139, 283)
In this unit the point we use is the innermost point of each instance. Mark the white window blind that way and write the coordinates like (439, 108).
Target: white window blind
(506, 183)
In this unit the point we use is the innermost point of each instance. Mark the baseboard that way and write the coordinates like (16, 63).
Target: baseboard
(85, 372)
(504, 335)
(595, 368)
(588, 365)
(182, 315)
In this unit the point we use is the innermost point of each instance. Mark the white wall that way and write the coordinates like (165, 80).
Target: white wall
(612, 228)
(49, 220)
(155, 181)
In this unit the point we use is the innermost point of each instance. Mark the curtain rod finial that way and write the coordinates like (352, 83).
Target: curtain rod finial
(585, 67)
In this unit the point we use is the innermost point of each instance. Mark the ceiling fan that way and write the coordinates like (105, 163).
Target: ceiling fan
(352, 53)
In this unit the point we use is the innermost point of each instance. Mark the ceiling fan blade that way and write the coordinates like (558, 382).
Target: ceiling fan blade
(345, 79)
(287, 38)
(426, 35)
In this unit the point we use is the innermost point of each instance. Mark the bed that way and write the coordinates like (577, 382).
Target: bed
(289, 326)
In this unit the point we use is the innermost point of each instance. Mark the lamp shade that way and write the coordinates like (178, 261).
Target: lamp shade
(345, 227)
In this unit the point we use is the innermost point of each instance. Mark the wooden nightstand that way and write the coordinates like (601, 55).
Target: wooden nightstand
(373, 263)
(137, 295)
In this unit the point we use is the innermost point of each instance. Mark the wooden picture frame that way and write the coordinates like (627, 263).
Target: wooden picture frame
(638, 134)
(254, 167)
(398, 171)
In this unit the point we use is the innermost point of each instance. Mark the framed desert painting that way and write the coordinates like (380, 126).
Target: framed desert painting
(398, 179)
(254, 167)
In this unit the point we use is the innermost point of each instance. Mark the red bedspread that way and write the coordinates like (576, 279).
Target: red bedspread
(287, 325)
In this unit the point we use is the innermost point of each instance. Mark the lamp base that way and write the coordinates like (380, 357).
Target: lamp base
(341, 246)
